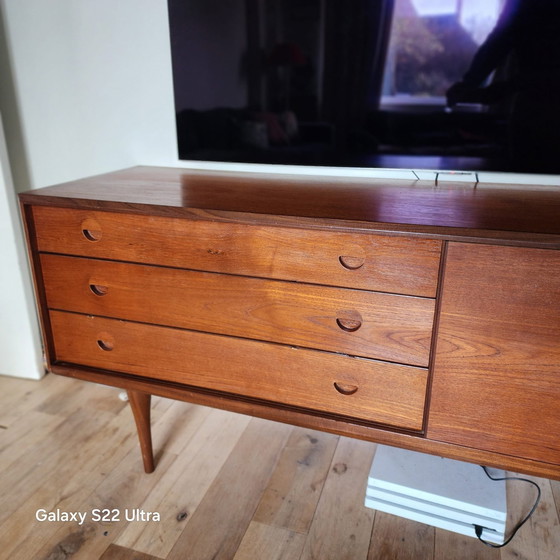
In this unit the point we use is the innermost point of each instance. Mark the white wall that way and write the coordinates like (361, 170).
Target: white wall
(86, 88)
(93, 89)
(20, 349)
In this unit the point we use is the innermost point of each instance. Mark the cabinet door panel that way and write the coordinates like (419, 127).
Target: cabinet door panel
(496, 375)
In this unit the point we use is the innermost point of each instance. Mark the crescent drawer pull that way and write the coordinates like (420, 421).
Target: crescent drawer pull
(99, 289)
(92, 234)
(349, 325)
(351, 263)
(105, 345)
(345, 388)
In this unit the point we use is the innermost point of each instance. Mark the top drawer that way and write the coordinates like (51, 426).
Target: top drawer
(364, 261)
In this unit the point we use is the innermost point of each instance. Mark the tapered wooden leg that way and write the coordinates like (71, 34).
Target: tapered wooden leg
(140, 405)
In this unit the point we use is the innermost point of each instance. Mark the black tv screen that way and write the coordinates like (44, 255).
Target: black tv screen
(461, 85)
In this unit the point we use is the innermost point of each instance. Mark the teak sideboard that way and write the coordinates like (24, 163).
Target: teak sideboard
(411, 314)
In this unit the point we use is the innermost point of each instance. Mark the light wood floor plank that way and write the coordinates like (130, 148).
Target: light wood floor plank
(21, 436)
(99, 398)
(291, 497)
(396, 538)
(219, 523)
(13, 395)
(545, 525)
(521, 496)
(85, 471)
(461, 548)
(244, 484)
(115, 552)
(186, 482)
(555, 485)
(342, 525)
(122, 489)
(179, 422)
(25, 477)
(18, 396)
(272, 543)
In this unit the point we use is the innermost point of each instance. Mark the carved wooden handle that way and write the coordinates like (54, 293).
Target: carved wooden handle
(349, 325)
(106, 345)
(351, 263)
(91, 230)
(91, 234)
(99, 289)
(345, 388)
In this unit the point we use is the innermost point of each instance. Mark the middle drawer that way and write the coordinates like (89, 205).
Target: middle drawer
(371, 324)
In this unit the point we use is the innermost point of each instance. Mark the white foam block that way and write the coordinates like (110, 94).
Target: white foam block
(440, 492)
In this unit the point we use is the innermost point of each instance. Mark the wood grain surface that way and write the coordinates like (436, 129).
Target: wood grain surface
(530, 209)
(370, 324)
(385, 263)
(496, 382)
(380, 392)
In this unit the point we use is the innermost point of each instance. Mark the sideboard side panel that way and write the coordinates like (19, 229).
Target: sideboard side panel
(496, 374)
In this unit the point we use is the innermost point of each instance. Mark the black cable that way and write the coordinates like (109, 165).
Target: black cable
(478, 529)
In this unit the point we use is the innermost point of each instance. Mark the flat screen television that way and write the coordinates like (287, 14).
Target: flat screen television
(420, 87)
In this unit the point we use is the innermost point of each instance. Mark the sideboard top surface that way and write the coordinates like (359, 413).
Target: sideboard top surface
(516, 212)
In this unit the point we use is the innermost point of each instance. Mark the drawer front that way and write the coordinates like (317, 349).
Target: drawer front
(384, 263)
(376, 325)
(371, 391)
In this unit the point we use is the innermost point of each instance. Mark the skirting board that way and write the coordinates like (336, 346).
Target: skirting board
(443, 493)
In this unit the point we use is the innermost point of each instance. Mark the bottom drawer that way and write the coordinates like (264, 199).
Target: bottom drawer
(369, 390)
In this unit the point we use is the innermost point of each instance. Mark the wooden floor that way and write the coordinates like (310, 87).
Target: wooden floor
(225, 487)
